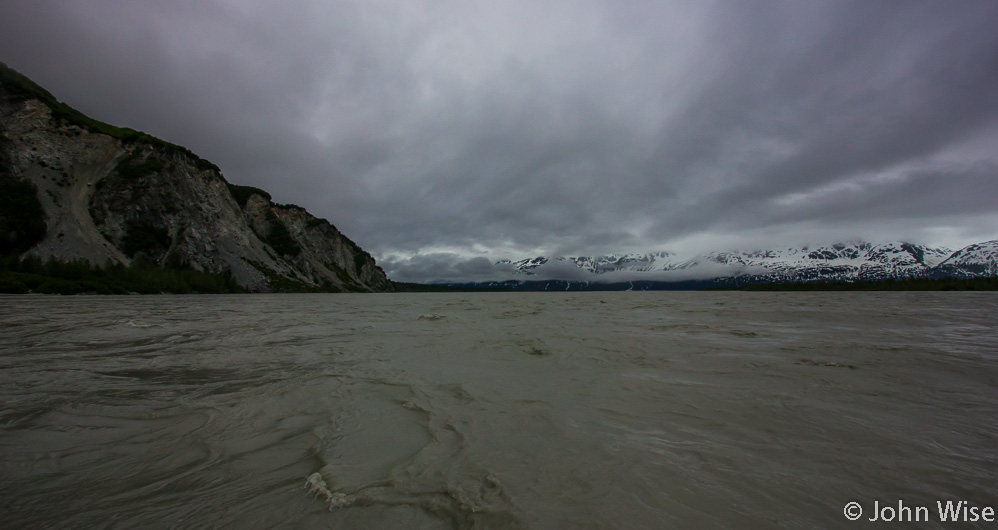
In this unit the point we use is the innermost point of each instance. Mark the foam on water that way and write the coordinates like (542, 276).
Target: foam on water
(317, 486)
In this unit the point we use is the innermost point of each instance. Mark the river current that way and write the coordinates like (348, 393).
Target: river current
(496, 410)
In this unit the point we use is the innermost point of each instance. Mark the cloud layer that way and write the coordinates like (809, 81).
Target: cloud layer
(508, 129)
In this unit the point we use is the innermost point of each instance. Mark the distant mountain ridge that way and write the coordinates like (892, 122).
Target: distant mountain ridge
(74, 188)
(841, 262)
(977, 260)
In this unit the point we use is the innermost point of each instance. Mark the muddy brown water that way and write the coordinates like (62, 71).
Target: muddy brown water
(495, 410)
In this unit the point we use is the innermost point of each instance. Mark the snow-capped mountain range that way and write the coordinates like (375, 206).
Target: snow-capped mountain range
(854, 261)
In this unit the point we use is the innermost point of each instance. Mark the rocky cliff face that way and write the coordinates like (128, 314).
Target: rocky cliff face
(114, 195)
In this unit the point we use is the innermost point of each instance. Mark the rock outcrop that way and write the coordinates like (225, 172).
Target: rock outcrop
(114, 195)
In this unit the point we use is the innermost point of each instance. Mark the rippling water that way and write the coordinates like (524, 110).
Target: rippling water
(493, 410)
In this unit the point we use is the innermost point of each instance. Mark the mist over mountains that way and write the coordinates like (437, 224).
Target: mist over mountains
(840, 262)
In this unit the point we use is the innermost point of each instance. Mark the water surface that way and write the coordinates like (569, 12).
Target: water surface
(494, 410)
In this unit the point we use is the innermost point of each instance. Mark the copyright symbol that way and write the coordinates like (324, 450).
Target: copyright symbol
(853, 511)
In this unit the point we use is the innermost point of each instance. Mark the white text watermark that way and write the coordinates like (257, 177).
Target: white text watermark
(902, 512)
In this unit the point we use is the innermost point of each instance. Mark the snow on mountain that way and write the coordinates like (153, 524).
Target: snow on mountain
(897, 260)
(524, 266)
(623, 262)
(979, 259)
(839, 262)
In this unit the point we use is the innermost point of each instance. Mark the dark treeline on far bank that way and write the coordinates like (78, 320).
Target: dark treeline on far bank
(32, 275)
(915, 284)
(726, 284)
(750, 284)
(407, 287)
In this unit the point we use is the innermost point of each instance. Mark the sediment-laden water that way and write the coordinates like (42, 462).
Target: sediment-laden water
(494, 410)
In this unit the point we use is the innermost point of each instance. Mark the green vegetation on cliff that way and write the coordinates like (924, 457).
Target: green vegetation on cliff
(242, 193)
(279, 238)
(56, 277)
(144, 237)
(22, 219)
(132, 168)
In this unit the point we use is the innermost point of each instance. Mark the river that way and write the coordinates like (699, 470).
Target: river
(617, 410)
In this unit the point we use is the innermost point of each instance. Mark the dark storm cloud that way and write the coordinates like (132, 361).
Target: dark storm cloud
(433, 130)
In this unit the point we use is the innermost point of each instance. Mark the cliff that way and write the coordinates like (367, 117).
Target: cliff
(111, 195)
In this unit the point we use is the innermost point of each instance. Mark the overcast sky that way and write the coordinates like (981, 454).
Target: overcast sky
(437, 130)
